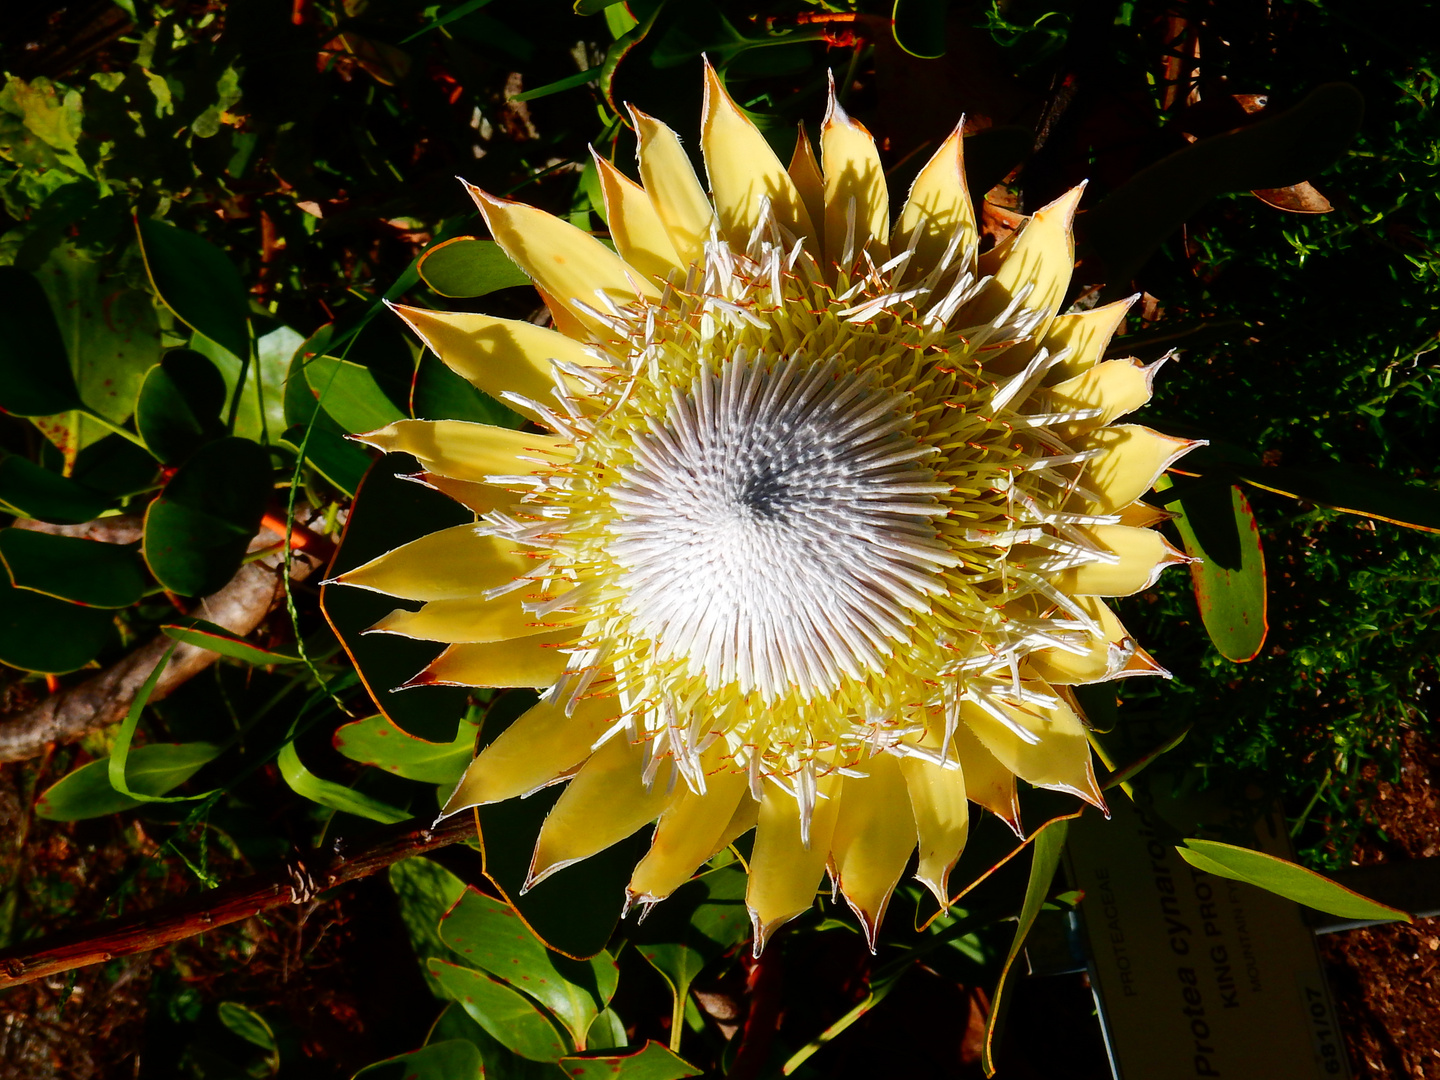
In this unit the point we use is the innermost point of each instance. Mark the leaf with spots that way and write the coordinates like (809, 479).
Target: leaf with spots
(425, 890)
(111, 340)
(651, 1062)
(506, 1014)
(453, 1059)
(491, 935)
(379, 741)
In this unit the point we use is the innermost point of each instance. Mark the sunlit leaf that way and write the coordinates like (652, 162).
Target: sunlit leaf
(452, 1059)
(377, 741)
(349, 394)
(491, 935)
(328, 793)
(155, 769)
(1284, 878)
(207, 635)
(506, 1014)
(651, 1062)
(1218, 529)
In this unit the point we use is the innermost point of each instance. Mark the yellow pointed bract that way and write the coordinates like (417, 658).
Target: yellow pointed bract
(817, 532)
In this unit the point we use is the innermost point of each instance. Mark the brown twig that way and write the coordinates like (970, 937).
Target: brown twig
(105, 698)
(298, 881)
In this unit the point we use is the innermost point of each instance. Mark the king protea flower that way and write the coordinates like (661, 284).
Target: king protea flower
(811, 530)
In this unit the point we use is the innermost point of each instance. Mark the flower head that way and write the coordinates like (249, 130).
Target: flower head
(811, 531)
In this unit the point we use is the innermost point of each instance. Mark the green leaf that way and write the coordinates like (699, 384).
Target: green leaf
(580, 78)
(593, 7)
(1284, 878)
(466, 267)
(260, 411)
(152, 770)
(457, 12)
(247, 1023)
(179, 405)
(507, 840)
(112, 339)
(388, 512)
(1048, 845)
(426, 891)
(651, 1062)
(38, 493)
(69, 568)
(197, 282)
(704, 918)
(330, 794)
(349, 394)
(251, 1026)
(217, 639)
(41, 634)
(506, 1014)
(336, 458)
(1299, 142)
(35, 376)
(1354, 491)
(197, 531)
(118, 762)
(491, 935)
(919, 27)
(453, 1059)
(377, 741)
(1218, 528)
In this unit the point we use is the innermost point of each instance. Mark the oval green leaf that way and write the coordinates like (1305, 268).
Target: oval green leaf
(179, 405)
(248, 1024)
(151, 770)
(50, 637)
(197, 282)
(349, 394)
(466, 267)
(197, 531)
(651, 1062)
(506, 1014)
(453, 1059)
(426, 891)
(38, 493)
(1284, 878)
(328, 793)
(69, 568)
(491, 935)
(1218, 528)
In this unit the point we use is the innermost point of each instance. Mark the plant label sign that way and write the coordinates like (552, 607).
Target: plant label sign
(1197, 975)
